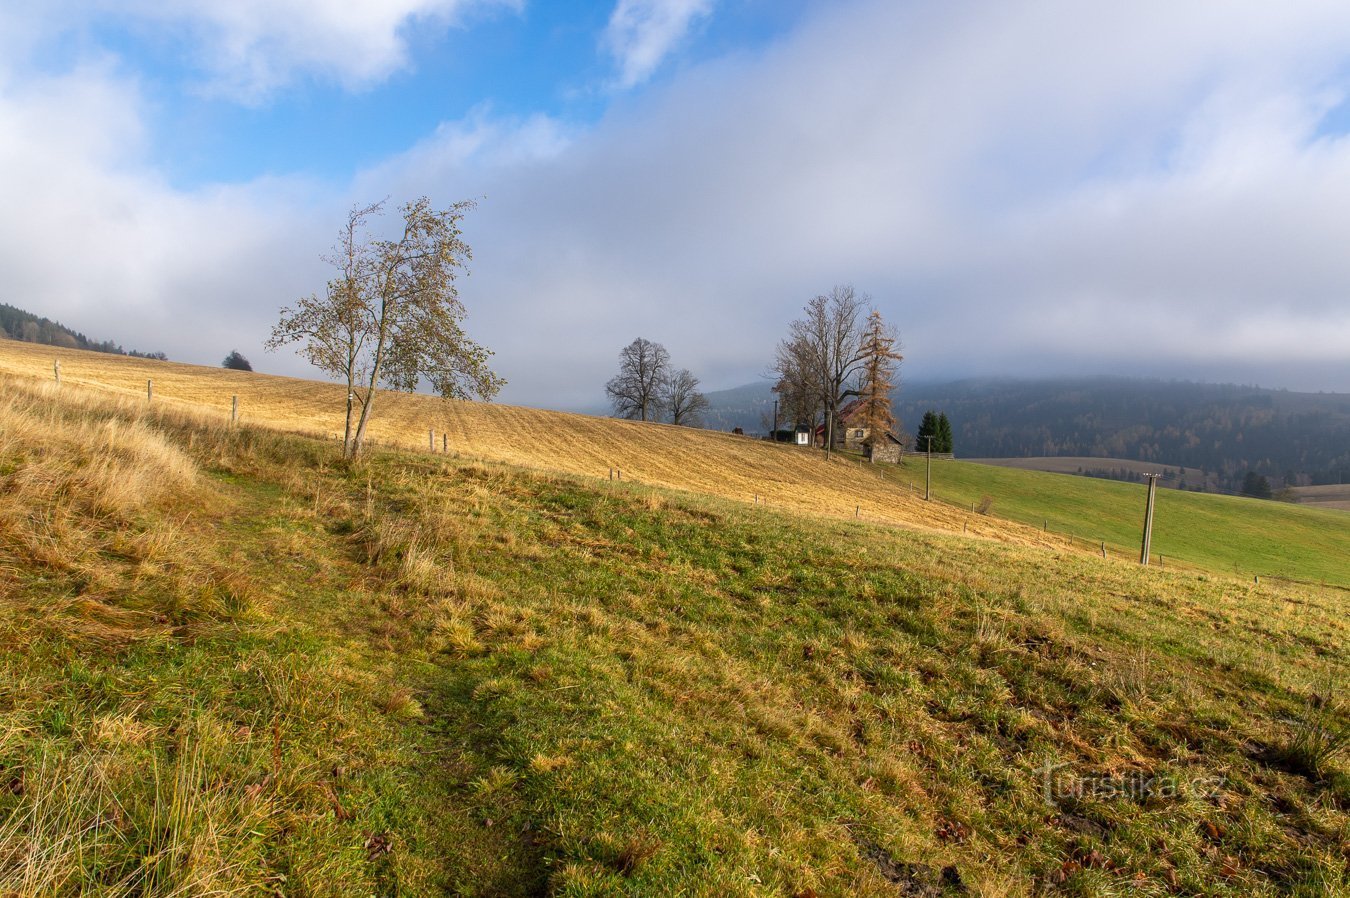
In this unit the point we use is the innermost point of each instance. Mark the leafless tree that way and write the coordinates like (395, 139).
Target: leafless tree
(392, 317)
(878, 377)
(823, 350)
(636, 391)
(797, 383)
(682, 399)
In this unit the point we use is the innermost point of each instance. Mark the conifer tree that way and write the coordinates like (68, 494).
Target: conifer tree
(942, 440)
(879, 363)
(928, 428)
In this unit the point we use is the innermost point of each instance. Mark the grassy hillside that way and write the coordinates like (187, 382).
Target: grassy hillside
(1173, 476)
(1223, 533)
(683, 458)
(235, 667)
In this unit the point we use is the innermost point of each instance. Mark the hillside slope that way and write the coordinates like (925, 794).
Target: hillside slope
(235, 667)
(1230, 534)
(701, 461)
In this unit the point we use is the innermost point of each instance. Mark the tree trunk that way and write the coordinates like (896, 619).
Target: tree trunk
(361, 424)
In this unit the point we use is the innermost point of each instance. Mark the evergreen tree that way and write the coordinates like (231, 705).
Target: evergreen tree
(927, 428)
(942, 440)
(1256, 486)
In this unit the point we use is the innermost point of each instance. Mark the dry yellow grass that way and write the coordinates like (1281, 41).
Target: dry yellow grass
(701, 461)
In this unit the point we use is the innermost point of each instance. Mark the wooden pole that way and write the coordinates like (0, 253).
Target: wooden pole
(928, 474)
(445, 442)
(431, 440)
(1103, 548)
(234, 409)
(149, 390)
(1148, 519)
(56, 368)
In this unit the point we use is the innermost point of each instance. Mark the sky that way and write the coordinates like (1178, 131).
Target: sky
(1022, 188)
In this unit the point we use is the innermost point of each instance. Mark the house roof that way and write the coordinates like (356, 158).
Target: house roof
(851, 408)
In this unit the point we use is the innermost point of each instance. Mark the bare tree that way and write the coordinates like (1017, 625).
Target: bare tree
(392, 317)
(825, 346)
(878, 378)
(682, 399)
(635, 392)
(797, 383)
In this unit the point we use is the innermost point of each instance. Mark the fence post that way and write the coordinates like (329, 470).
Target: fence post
(1148, 518)
(431, 440)
(1103, 548)
(445, 441)
(856, 510)
(56, 367)
(149, 390)
(234, 409)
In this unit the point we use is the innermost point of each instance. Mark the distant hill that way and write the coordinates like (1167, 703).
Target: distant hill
(16, 324)
(1224, 430)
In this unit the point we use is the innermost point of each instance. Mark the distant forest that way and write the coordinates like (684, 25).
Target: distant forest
(1223, 431)
(16, 324)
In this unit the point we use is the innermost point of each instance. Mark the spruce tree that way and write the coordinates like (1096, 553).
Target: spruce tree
(942, 441)
(927, 428)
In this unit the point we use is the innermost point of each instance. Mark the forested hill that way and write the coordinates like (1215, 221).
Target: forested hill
(16, 324)
(1224, 429)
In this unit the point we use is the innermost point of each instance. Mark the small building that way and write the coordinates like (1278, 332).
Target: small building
(853, 434)
(890, 450)
(802, 435)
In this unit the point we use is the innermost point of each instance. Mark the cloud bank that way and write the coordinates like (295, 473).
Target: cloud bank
(1025, 188)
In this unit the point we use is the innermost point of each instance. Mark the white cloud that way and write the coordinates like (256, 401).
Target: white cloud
(641, 33)
(1027, 188)
(1040, 187)
(246, 49)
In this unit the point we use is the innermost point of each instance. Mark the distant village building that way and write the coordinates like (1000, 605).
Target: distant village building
(802, 435)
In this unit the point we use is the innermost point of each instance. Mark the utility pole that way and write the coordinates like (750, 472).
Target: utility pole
(928, 474)
(774, 436)
(1148, 518)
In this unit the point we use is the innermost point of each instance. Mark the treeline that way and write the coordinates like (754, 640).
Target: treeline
(16, 324)
(1224, 431)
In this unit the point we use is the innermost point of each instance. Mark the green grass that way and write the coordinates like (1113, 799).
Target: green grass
(421, 677)
(1222, 533)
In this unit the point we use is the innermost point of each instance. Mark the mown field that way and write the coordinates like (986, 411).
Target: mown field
(1335, 496)
(235, 666)
(1222, 533)
(682, 458)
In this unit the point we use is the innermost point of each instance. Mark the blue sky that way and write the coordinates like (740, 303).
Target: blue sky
(1024, 187)
(512, 60)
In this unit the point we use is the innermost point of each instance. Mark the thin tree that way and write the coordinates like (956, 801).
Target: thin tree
(878, 378)
(797, 383)
(636, 391)
(392, 317)
(682, 399)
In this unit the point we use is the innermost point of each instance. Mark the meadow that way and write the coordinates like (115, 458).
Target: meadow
(1230, 534)
(238, 666)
